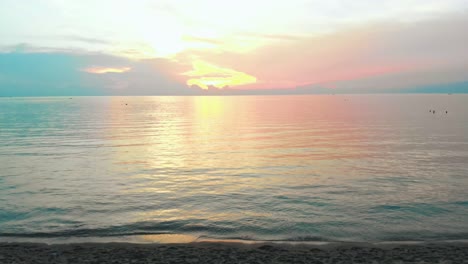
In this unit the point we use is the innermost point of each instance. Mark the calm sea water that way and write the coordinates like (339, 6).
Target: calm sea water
(343, 167)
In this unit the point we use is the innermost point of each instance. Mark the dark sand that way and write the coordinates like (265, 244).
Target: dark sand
(208, 252)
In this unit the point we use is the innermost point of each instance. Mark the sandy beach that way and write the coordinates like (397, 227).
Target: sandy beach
(209, 252)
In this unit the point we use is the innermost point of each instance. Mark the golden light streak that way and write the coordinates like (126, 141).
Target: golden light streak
(208, 75)
(103, 70)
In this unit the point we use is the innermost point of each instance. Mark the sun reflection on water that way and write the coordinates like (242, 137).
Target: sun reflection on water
(262, 167)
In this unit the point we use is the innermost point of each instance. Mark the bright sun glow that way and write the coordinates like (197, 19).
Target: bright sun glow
(205, 75)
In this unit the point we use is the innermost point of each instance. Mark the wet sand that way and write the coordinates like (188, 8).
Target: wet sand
(216, 252)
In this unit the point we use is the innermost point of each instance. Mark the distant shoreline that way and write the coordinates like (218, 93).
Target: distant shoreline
(223, 252)
(227, 95)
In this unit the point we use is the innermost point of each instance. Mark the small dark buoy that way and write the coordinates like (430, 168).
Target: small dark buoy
(446, 112)
(125, 104)
(433, 111)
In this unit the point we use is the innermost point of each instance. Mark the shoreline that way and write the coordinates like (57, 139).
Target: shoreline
(179, 238)
(236, 252)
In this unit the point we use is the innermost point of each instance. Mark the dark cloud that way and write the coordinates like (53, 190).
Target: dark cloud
(41, 74)
(146, 77)
(46, 74)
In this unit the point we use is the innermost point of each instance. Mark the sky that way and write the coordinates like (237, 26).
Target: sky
(191, 47)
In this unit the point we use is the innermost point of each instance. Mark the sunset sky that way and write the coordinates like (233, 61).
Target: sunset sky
(155, 47)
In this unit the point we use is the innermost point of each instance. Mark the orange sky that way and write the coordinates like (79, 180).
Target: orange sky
(209, 44)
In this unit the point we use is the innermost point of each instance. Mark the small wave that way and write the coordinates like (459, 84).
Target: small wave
(119, 233)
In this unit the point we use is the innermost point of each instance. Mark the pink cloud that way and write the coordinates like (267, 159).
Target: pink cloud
(357, 53)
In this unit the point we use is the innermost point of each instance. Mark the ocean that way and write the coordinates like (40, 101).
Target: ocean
(282, 168)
